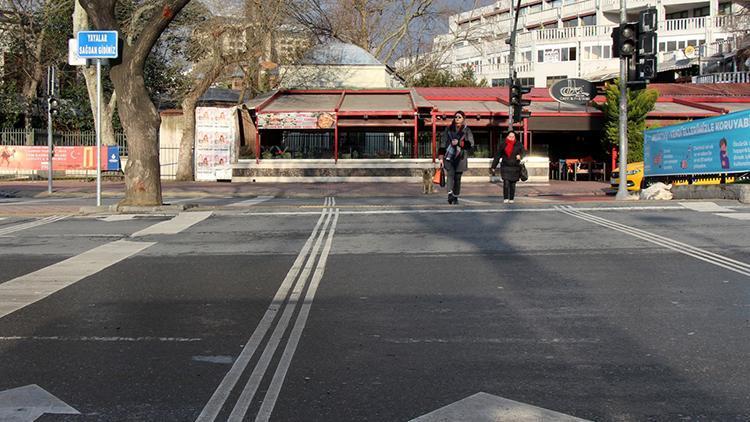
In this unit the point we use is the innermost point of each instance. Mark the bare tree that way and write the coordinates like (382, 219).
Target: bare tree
(81, 23)
(378, 26)
(138, 114)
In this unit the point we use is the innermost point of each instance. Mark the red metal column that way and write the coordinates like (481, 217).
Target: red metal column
(336, 139)
(526, 134)
(415, 153)
(614, 158)
(434, 136)
(257, 145)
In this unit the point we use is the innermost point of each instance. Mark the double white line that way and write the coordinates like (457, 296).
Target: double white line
(324, 229)
(8, 230)
(683, 248)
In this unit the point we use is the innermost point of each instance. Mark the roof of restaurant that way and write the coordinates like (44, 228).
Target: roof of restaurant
(675, 100)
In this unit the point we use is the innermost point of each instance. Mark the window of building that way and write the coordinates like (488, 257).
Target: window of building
(725, 8)
(499, 82)
(596, 52)
(681, 45)
(554, 3)
(526, 56)
(677, 15)
(552, 79)
(607, 52)
(535, 8)
(662, 47)
(588, 20)
(526, 81)
(671, 45)
(570, 22)
(701, 11)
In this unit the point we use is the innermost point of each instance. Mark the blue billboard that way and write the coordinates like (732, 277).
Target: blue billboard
(718, 144)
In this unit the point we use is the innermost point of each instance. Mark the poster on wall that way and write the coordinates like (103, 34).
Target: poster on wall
(714, 145)
(300, 120)
(214, 143)
(21, 157)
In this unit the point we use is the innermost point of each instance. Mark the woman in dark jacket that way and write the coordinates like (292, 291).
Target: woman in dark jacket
(457, 141)
(511, 153)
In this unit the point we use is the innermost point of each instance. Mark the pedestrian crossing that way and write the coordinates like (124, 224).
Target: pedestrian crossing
(715, 209)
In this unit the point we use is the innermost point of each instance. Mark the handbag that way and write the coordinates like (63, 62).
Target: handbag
(436, 177)
(524, 173)
(441, 170)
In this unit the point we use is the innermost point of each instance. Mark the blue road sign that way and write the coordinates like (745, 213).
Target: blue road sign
(97, 44)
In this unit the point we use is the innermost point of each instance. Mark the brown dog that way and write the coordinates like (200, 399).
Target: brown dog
(427, 185)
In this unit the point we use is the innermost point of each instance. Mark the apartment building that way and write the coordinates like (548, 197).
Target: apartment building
(560, 39)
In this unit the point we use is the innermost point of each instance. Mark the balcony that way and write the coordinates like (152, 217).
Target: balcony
(723, 78)
(577, 8)
(540, 17)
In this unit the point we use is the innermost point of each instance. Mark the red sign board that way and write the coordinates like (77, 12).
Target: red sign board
(17, 157)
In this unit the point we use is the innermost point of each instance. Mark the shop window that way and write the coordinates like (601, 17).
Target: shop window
(699, 12)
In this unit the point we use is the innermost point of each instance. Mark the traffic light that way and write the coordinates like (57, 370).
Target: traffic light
(645, 57)
(517, 102)
(627, 39)
(54, 105)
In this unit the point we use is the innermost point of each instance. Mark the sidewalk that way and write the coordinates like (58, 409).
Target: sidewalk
(68, 188)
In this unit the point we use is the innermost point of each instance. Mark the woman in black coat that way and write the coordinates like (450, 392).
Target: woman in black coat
(457, 141)
(511, 153)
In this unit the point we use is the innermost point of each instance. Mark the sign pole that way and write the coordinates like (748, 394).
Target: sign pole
(622, 189)
(98, 132)
(51, 94)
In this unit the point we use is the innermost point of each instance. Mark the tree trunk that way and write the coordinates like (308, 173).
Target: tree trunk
(81, 23)
(187, 142)
(142, 173)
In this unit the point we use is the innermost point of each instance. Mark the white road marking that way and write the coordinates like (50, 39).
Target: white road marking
(705, 207)
(251, 202)
(36, 223)
(212, 409)
(483, 407)
(101, 339)
(27, 289)
(736, 216)
(683, 248)
(453, 210)
(175, 225)
(251, 387)
(470, 201)
(118, 217)
(272, 394)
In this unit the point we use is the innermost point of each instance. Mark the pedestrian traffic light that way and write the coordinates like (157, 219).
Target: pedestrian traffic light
(628, 39)
(53, 104)
(517, 102)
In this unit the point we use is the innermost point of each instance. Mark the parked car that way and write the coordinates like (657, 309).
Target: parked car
(634, 176)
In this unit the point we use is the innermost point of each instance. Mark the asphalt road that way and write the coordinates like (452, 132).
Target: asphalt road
(365, 310)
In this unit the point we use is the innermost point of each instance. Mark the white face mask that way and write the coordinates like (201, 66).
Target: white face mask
(454, 142)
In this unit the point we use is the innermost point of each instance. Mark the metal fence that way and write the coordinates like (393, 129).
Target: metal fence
(38, 137)
(168, 156)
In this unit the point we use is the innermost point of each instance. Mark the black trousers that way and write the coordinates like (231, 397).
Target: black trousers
(509, 189)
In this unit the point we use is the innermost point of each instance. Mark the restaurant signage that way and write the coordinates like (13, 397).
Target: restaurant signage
(301, 120)
(573, 91)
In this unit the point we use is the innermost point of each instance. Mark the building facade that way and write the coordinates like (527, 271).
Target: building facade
(560, 39)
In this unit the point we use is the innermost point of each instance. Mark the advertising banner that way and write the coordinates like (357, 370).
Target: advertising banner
(714, 145)
(214, 143)
(301, 120)
(21, 157)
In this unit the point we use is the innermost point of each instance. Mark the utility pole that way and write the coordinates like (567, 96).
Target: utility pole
(622, 189)
(511, 59)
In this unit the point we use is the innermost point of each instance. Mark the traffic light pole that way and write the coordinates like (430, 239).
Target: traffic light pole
(511, 61)
(622, 189)
(50, 96)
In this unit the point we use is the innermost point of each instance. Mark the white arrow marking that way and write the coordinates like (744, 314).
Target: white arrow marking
(483, 407)
(28, 403)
